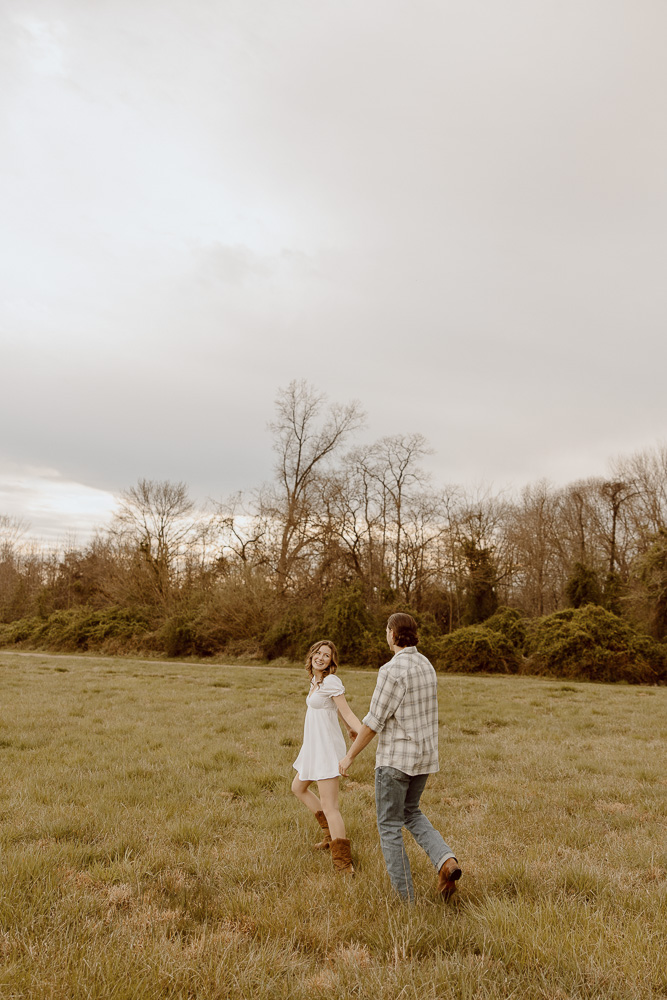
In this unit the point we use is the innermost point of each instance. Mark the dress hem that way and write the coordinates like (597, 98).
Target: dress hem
(322, 777)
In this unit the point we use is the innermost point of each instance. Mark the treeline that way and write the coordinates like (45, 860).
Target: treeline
(569, 580)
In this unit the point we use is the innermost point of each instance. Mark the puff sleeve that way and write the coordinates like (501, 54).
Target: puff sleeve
(332, 686)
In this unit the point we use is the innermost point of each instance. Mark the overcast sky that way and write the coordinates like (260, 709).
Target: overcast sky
(454, 211)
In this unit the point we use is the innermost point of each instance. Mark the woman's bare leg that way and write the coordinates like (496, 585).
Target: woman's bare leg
(328, 789)
(303, 793)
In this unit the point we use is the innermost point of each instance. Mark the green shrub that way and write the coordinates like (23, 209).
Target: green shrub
(510, 623)
(208, 635)
(176, 635)
(235, 614)
(345, 620)
(583, 587)
(648, 598)
(479, 591)
(476, 648)
(18, 631)
(80, 629)
(290, 636)
(593, 644)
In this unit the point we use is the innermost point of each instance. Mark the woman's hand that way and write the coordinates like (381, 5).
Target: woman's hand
(344, 764)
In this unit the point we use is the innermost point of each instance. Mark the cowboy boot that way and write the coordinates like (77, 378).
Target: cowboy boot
(448, 876)
(323, 844)
(340, 855)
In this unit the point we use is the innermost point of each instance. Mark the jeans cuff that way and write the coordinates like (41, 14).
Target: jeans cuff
(444, 858)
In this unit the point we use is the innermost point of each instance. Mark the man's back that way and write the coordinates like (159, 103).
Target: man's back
(404, 711)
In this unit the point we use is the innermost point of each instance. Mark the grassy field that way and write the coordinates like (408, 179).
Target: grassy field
(151, 847)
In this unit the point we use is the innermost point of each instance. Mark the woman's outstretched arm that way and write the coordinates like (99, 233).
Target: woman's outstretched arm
(364, 737)
(347, 715)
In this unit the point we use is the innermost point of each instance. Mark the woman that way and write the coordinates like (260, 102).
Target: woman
(323, 746)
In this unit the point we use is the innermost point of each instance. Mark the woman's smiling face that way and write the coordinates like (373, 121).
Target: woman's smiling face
(322, 658)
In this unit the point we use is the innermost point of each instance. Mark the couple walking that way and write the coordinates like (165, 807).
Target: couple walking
(404, 712)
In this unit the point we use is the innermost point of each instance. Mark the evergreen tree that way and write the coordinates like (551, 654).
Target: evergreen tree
(583, 587)
(651, 585)
(479, 594)
(613, 593)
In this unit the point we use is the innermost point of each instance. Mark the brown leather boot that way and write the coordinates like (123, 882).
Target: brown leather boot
(323, 844)
(448, 876)
(341, 857)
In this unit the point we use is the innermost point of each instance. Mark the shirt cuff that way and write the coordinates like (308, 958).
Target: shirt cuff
(373, 723)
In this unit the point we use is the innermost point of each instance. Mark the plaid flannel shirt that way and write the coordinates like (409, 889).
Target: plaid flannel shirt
(404, 711)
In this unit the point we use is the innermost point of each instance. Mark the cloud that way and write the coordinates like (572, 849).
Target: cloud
(54, 508)
(456, 213)
(42, 42)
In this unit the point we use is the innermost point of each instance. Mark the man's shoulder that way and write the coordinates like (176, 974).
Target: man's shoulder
(424, 659)
(387, 667)
(416, 667)
(411, 655)
(404, 661)
(394, 669)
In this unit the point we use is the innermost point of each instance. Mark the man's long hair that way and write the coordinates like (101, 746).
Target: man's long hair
(404, 629)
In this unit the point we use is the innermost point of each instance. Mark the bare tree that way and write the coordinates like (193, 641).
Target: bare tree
(388, 481)
(423, 527)
(12, 534)
(158, 518)
(13, 566)
(243, 532)
(398, 472)
(647, 471)
(341, 502)
(532, 530)
(615, 493)
(302, 439)
(578, 526)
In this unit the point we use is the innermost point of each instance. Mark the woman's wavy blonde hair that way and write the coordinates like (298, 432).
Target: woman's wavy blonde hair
(333, 665)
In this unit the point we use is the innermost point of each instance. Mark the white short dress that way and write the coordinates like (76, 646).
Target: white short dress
(323, 742)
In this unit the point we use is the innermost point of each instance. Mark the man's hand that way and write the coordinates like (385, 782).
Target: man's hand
(344, 764)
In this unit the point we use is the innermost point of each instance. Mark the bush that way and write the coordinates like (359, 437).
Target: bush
(18, 631)
(649, 587)
(593, 644)
(476, 648)
(479, 593)
(81, 629)
(177, 635)
(290, 636)
(374, 652)
(510, 623)
(440, 602)
(235, 615)
(346, 621)
(583, 587)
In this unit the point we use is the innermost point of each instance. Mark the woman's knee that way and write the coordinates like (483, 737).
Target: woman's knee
(329, 795)
(331, 812)
(298, 787)
(330, 805)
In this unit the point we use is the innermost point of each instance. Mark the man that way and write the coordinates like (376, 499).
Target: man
(404, 711)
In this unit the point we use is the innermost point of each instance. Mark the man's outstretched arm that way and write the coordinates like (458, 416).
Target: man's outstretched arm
(366, 734)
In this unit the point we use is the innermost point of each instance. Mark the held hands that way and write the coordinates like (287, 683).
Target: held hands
(343, 765)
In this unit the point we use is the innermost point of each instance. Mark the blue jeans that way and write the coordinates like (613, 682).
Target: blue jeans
(397, 798)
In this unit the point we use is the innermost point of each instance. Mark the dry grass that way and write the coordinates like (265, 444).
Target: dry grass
(151, 848)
